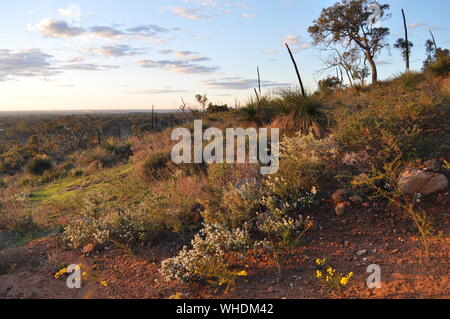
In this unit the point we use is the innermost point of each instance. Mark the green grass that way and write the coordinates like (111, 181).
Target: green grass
(67, 195)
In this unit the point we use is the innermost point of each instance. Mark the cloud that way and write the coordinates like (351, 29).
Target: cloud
(236, 83)
(87, 67)
(51, 28)
(272, 52)
(159, 91)
(119, 50)
(416, 25)
(148, 29)
(177, 66)
(248, 15)
(383, 62)
(191, 13)
(27, 63)
(105, 32)
(296, 43)
(186, 55)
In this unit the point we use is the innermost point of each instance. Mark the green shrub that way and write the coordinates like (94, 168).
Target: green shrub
(13, 214)
(13, 160)
(304, 161)
(155, 167)
(329, 85)
(410, 80)
(440, 67)
(238, 205)
(39, 165)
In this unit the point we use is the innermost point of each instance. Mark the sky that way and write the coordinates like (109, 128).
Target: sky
(105, 54)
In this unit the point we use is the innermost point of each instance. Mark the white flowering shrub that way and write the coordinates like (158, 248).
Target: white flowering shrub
(90, 225)
(282, 199)
(206, 259)
(284, 231)
(100, 224)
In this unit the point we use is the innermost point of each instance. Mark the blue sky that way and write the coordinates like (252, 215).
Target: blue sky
(108, 54)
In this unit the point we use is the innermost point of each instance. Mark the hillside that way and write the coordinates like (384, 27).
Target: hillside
(363, 179)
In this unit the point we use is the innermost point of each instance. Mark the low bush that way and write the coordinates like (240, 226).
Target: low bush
(305, 163)
(155, 167)
(13, 213)
(441, 66)
(206, 260)
(103, 224)
(39, 165)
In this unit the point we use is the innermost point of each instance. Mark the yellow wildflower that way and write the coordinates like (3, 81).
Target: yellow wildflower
(346, 279)
(176, 296)
(104, 283)
(319, 274)
(331, 271)
(321, 262)
(243, 273)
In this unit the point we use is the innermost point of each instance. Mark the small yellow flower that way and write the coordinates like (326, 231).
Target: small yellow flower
(85, 275)
(176, 296)
(331, 271)
(243, 273)
(104, 283)
(321, 262)
(344, 281)
(319, 274)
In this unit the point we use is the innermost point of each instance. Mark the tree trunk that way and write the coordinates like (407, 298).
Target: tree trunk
(406, 40)
(373, 67)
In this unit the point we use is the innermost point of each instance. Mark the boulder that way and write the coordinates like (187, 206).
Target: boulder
(341, 208)
(356, 199)
(340, 196)
(413, 181)
(437, 184)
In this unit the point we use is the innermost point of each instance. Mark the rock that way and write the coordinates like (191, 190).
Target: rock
(432, 165)
(414, 181)
(340, 196)
(361, 252)
(89, 248)
(341, 208)
(440, 199)
(437, 184)
(356, 199)
(366, 205)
